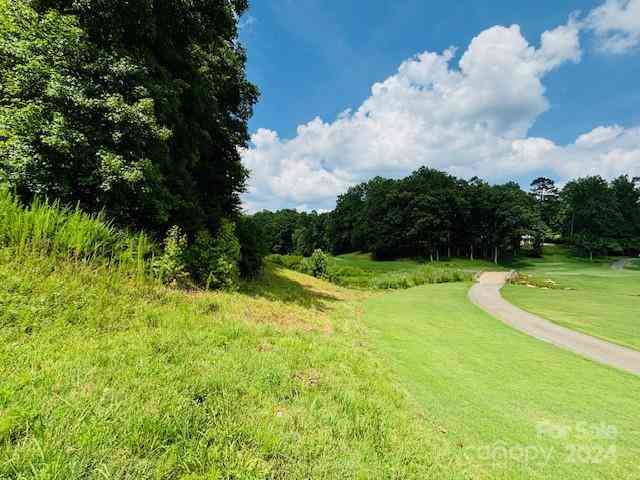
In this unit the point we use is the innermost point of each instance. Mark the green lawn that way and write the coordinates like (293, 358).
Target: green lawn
(489, 389)
(591, 298)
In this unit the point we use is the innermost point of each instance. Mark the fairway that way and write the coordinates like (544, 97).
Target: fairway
(592, 297)
(490, 390)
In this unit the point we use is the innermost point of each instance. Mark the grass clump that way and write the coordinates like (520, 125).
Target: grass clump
(47, 228)
(425, 275)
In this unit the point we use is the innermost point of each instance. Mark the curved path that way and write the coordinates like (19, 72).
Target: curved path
(486, 294)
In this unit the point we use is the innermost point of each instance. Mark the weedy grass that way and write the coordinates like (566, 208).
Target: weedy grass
(47, 228)
(594, 298)
(359, 270)
(107, 376)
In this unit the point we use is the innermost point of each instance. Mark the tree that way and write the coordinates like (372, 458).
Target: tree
(547, 198)
(593, 219)
(627, 193)
(131, 106)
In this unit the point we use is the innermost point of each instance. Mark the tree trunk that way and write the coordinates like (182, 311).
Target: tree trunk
(573, 219)
(471, 253)
(495, 255)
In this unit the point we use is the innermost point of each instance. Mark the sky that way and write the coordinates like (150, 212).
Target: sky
(502, 90)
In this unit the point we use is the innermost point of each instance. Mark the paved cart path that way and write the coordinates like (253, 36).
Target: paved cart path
(486, 294)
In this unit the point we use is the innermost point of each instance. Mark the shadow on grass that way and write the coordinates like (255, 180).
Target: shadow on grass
(275, 285)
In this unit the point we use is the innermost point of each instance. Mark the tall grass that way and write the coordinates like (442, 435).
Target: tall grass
(49, 228)
(354, 277)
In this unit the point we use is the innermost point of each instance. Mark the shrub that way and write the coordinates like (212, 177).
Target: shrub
(317, 264)
(292, 262)
(213, 261)
(253, 247)
(170, 267)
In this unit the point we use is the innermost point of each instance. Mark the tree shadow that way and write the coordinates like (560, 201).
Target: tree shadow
(275, 285)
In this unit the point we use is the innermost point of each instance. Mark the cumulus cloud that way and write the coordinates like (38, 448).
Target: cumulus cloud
(616, 24)
(469, 119)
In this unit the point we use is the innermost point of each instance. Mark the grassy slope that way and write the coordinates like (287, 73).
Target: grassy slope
(103, 377)
(486, 383)
(602, 302)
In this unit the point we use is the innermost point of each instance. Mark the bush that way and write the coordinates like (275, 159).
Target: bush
(253, 247)
(213, 261)
(317, 264)
(292, 262)
(170, 267)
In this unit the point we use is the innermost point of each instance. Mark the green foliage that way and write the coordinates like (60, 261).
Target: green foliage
(213, 261)
(133, 108)
(317, 265)
(288, 231)
(253, 247)
(425, 275)
(292, 262)
(48, 229)
(170, 267)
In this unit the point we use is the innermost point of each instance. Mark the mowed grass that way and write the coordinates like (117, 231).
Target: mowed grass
(103, 376)
(592, 298)
(514, 407)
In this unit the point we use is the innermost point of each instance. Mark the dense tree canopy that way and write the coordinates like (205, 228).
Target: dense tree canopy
(137, 107)
(431, 214)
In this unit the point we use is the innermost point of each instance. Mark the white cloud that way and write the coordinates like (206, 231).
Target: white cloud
(616, 24)
(472, 119)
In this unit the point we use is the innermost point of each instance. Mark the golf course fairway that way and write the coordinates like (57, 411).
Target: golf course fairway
(510, 405)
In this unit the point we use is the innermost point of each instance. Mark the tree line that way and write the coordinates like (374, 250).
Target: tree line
(432, 214)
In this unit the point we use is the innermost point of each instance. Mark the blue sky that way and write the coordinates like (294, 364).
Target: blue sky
(317, 58)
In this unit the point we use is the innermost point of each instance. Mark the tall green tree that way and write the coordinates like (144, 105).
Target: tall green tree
(137, 107)
(593, 220)
(547, 197)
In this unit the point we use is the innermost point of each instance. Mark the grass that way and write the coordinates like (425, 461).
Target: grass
(70, 234)
(110, 375)
(358, 270)
(105, 376)
(590, 296)
(496, 394)
(633, 265)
